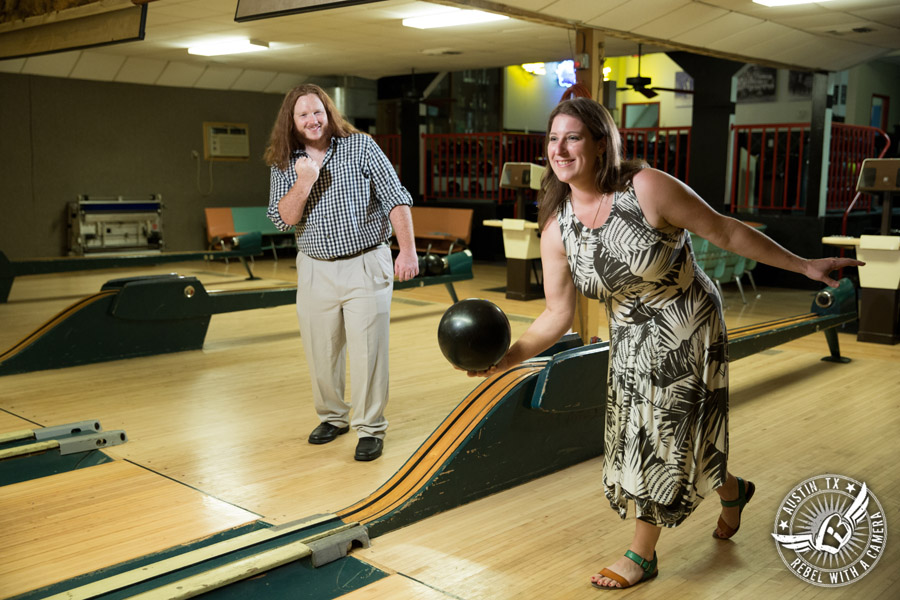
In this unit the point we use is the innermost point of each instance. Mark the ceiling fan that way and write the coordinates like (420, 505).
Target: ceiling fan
(642, 84)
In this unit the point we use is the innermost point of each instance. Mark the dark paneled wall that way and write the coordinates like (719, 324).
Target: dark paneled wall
(65, 137)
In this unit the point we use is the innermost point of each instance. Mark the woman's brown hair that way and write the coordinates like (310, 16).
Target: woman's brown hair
(284, 139)
(612, 174)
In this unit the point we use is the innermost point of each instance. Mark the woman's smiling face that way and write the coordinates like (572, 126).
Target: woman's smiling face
(573, 153)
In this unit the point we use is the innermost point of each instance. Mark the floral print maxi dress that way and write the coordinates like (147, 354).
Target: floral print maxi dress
(666, 431)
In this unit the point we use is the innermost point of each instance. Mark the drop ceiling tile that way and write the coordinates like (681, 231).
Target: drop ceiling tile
(140, 70)
(781, 47)
(13, 65)
(633, 14)
(97, 66)
(886, 15)
(180, 74)
(822, 20)
(579, 10)
(706, 34)
(220, 78)
(59, 64)
(682, 19)
(251, 80)
(283, 82)
(739, 41)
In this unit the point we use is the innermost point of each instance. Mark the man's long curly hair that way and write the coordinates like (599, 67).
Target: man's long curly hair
(612, 173)
(284, 139)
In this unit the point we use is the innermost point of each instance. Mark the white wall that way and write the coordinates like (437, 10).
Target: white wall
(876, 77)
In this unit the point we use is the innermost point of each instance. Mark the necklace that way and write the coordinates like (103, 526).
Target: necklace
(582, 239)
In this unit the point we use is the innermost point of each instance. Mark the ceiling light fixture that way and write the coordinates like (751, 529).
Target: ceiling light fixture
(535, 68)
(228, 47)
(774, 3)
(452, 18)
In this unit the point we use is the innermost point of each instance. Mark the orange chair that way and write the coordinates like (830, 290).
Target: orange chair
(219, 225)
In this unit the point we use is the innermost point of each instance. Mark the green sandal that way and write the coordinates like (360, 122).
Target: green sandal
(649, 567)
(744, 495)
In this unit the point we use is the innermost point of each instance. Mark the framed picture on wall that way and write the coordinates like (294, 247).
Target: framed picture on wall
(683, 81)
(756, 84)
(800, 84)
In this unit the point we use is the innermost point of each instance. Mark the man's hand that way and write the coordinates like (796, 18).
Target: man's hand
(407, 265)
(307, 171)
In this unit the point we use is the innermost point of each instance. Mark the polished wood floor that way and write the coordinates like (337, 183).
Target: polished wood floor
(229, 423)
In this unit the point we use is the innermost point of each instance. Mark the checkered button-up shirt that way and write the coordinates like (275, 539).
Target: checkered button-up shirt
(349, 205)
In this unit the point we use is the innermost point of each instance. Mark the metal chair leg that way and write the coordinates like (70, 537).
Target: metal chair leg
(753, 283)
(737, 280)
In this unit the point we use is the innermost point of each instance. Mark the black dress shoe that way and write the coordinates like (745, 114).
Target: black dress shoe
(368, 448)
(326, 432)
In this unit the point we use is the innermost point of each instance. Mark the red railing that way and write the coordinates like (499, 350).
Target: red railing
(769, 162)
(850, 145)
(858, 195)
(664, 148)
(468, 165)
(769, 165)
(390, 145)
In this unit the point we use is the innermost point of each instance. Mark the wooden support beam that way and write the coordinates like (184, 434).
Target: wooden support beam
(72, 29)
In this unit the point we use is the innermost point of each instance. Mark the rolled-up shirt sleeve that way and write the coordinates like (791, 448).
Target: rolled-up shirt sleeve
(388, 189)
(279, 185)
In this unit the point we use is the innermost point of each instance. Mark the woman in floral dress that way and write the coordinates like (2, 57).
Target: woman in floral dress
(619, 231)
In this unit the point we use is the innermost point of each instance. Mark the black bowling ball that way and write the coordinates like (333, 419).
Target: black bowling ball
(474, 334)
(434, 264)
(423, 266)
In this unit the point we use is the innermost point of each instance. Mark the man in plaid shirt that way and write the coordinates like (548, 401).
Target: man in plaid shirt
(336, 187)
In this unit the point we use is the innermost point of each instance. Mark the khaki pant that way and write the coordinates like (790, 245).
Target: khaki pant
(343, 307)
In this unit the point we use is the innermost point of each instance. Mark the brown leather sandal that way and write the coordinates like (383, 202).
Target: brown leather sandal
(744, 495)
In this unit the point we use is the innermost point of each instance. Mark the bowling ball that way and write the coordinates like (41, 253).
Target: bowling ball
(434, 264)
(474, 334)
(423, 266)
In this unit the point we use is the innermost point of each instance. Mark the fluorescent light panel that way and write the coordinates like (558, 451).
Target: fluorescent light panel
(228, 47)
(452, 18)
(774, 3)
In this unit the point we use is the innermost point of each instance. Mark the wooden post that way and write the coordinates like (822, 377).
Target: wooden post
(587, 318)
(589, 45)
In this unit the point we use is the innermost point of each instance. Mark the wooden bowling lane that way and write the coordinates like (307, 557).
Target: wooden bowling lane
(396, 587)
(36, 298)
(232, 419)
(10, 422)
(792, 417)
(61, 526)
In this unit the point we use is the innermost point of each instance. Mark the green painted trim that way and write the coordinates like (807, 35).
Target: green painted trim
(35, 466)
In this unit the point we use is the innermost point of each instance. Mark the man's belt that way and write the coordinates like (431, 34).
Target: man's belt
(354, 255)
